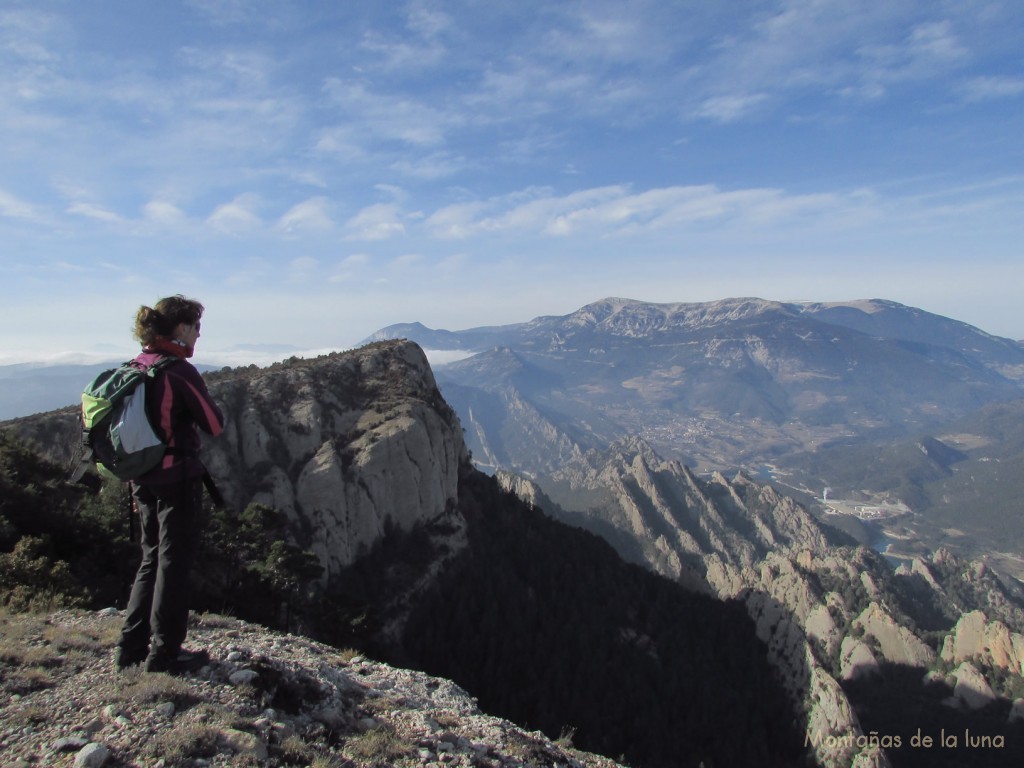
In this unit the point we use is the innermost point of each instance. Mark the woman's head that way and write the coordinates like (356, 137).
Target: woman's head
(166, 318)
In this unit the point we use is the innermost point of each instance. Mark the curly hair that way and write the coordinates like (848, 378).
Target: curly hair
(152, 323)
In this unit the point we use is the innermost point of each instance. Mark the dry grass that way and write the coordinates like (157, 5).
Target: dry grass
(326, 760)
(138, 687)
(447, 719)
(378, 744)
(65, 638)
(190, 740)
(218, 715)
(295, 750)
(347, 654)
(216, 621)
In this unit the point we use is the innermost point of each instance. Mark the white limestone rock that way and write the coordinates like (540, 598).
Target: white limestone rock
(856, 659)
(896, 643)
(971, 689)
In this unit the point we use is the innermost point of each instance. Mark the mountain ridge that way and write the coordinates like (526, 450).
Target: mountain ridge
(861, 314)
(777, 388)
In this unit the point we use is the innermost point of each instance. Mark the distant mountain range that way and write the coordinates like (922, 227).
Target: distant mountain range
(808, 394)
(719, 384)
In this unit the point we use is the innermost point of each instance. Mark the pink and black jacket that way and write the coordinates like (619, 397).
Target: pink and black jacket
(179, 405)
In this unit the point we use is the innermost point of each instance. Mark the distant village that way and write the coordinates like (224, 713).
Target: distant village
(861, 509)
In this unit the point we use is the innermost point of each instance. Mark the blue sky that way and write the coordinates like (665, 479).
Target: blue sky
(313, 171)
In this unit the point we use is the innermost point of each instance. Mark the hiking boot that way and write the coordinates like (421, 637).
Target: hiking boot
(184, 661)
(126, 657)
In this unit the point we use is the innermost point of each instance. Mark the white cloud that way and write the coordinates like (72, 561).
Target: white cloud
(163, 213)
(992, 87)
(373, 117)
(616, 210)
(455, 221)
(226, 12)
(309, 215)
(302, 269)
(799, 47)
(375, 222)
(427, 21)
(730, 107)
(405, 261)
(934, 42)
(454, 262)
(14, 208)
(399, 55)
(92, 211)
(356, 259)
(236, 217)
(436, 165)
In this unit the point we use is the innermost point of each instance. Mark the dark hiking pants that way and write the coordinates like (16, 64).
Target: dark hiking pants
(170, 521)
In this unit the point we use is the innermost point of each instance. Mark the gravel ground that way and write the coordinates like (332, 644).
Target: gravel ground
(265, 699)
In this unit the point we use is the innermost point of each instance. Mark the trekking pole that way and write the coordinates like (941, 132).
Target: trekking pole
(132, 514)
(213, 490)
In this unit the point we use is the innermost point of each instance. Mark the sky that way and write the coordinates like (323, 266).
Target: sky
(314, 171)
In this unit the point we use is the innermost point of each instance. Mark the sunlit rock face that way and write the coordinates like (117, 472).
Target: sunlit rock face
(347, 446)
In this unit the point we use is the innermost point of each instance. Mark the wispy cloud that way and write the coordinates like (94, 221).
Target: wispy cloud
(991, 88)
(275, 136)
(15, 208)
(375, 222)
(617, 210)
(309, 215)
(236, 217)
(164, 214)
(380, 116)
(91, 211)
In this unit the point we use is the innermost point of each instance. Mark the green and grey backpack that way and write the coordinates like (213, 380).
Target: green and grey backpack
(117, 435)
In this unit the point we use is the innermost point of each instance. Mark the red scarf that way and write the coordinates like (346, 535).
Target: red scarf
(170, 347)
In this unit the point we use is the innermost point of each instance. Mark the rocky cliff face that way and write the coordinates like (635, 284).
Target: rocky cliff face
(347, 447)
(733, 539)
(826, 613)
(991, 643)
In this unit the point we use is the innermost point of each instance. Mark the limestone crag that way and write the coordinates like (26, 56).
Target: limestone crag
(989, 643)
(856, 659)
(895, 643)
(735, 539)
(346, 447)
(971, 689)
(719, 529)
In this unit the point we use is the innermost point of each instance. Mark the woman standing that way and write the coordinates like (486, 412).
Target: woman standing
(169, 497)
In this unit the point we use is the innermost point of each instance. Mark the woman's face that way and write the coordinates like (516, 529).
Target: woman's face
(189, 334)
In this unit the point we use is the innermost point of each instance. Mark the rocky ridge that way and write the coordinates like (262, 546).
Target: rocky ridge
(325, 441)
(265, 699)
(827, 613)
